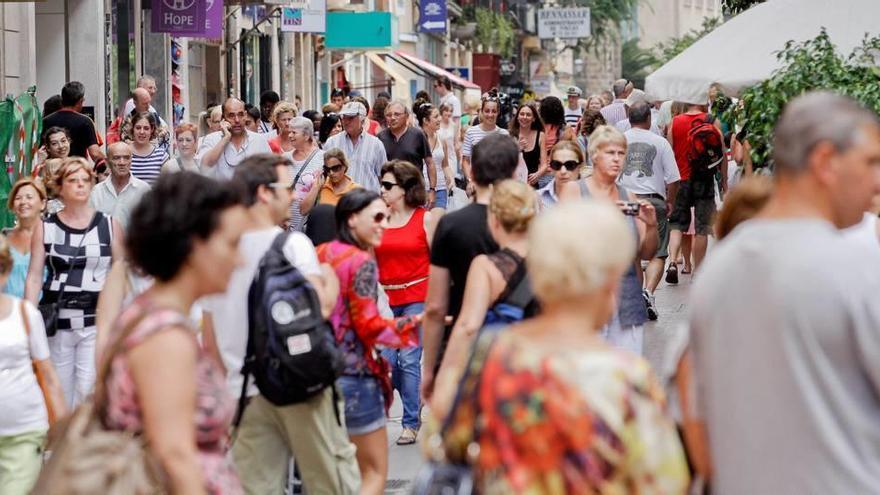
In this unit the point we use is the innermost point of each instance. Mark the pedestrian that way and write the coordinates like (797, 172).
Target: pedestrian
(378, 113)
(365, 153)
(147, 157)
(81, 130)
(27, 200)
(607, 97)
(615, 111)
(573, 109)
(361, 220)
(555, 130)
(528, 130)
(51, 105)
(332, 184)
(594, 102)
(77, 246)
(488, 107)
(608, 148)
(184, 236)
(55, 145)
(429, 121)
(404, 142)
(552, 381)
(459, 238)
(221, 151)
(252, 119)
(148, 84)
(47, 179)
(590, 120)
(494, 278)
(268, 100)
(331, 125)
(186, 137)
(306, 166)
(449, 134)
(370, 125)
(808, 343)
(403, 259)
(268, 434)
(743, 203)
(651, 174)
(142, 99)
(119, 196)
(443, 88)
(566, 160)
(337, 98)
(282, 114)
(315, 116)
(635, 97)
(24, 358)
(695, 191)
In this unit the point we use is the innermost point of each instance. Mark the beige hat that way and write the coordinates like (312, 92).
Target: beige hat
(353, 108)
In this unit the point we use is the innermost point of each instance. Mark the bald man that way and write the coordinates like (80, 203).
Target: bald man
(147, 83)
(141, 99)
(223, 150)
(120, 193)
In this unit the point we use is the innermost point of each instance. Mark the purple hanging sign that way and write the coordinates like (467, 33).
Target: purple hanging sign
(184, 18)
(214, 20)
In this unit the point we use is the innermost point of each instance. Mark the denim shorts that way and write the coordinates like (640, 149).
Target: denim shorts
(364, 404)
(441, 198)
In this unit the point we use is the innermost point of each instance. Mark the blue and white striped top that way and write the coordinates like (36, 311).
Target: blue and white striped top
(147, 167)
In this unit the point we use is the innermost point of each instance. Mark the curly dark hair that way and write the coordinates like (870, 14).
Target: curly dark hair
(537, 124)
(590, 120)
(552, 112)
(410, 179)
(179, 209)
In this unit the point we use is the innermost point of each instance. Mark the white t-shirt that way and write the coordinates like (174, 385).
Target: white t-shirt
(230, 157)
(650, 163)
(229, 311)
(454, 102)
(24, 409)
(865, 232)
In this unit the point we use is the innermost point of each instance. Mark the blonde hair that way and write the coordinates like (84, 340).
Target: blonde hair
(591, 98)
(6, 260)
(283, 107)
(514, 204)
(570, 146)
(742, 203)
(70, 166)
(21, 183)
(218, 110)
(603, 136)
(592, 244)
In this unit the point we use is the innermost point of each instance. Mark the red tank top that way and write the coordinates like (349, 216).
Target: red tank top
(681, 126)
(404, 258)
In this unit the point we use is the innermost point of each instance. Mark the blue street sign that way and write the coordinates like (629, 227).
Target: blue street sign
(432, 16)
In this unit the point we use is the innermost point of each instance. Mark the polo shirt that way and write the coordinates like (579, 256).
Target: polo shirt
(105, 199)
(230, 157)
(327, 196)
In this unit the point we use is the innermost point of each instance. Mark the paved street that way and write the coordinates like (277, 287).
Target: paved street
(405, 461)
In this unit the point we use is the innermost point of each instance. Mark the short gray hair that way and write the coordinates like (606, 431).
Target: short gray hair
(304, 126)
(406, 109)
(144, 78)
(619, 87)
(815, 117)
(639, 112)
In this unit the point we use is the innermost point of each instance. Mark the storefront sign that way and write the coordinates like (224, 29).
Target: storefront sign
(432, 16)
(305, 16)
(462, 72)
(564, 23)
(214, 19)
(358, 30)
(184, 18)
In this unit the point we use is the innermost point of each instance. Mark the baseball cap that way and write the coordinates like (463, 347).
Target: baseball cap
(353, 108)
(636, 96)
(574, 91)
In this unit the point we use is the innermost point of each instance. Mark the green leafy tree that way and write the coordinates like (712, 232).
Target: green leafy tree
(733, 7)
(606, 16)
(637, 62)
(494, 29)
(668, 50)
(811, 65)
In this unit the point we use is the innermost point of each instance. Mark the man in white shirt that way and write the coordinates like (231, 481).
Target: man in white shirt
(225, 149)
(365, 153)
(268, 434)
(616, 111)
(634, 97)
(650, 172)
(120, 193)
(443, 87)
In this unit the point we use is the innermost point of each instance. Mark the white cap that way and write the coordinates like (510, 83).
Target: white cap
(353, 108)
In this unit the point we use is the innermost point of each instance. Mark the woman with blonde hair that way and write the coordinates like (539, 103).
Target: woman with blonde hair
(282, 114)
(742, 203)
(495, 281)
(27, 200)
(594, 102)
(552, 407)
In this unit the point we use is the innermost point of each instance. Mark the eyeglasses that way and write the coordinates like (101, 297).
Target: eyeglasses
(333, 169)
(570, 165)
(388, 185)
(282, 185)
(379, 217)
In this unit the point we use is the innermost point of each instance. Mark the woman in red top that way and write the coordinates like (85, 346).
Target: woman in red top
(404, 261)
(282, 115)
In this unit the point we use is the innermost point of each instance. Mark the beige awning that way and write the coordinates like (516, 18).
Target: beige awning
(401, 84)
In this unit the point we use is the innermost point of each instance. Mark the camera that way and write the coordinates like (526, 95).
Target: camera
(630, 208)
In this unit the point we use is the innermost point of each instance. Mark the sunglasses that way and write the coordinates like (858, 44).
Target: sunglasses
(570, 165)
(379, 217)
(388, 185)
(333, 169)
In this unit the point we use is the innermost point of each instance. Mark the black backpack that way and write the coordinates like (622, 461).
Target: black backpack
(291, 349)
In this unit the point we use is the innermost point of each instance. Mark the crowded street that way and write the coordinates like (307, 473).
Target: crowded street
(440, 247)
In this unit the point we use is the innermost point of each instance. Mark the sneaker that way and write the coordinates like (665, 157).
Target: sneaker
(408, 437)
(649, 304)
(672, 274)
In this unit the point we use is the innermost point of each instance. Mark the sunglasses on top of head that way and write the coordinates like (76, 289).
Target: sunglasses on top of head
(570, 165)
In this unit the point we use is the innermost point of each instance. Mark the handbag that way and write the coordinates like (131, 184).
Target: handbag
(49, 310)
(442, 476)
(89, 458)
(41, 380)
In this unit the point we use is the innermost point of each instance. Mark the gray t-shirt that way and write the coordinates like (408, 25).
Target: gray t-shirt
(785, 330)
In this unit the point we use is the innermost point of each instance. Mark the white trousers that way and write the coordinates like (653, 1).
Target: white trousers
(73, 355)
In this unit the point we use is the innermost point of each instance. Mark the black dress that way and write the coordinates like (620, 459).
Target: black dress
(533, 157)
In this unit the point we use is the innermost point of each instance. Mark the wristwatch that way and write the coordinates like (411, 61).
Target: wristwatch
(432, 189)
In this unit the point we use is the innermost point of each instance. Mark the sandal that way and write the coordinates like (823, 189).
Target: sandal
(408, 437)
(686, 271)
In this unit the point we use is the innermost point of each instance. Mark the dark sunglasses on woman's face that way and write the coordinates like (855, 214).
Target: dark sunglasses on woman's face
(388, 185)
(379, 217)
(333, 169)
(570, 165)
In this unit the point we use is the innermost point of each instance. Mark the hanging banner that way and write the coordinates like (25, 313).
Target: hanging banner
(214, 19)
(304, 16)
(432, 16)
(183, 18)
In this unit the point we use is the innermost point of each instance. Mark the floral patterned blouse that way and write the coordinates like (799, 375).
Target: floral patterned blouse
(214, 407)
(573, 422)
(356, 320)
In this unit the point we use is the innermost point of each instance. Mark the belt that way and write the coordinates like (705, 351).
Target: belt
(407, 285)
(652, 195)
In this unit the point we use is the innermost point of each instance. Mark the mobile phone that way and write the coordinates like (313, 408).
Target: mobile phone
(630, 208)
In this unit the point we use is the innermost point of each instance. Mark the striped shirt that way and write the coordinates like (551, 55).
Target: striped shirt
(474, 135)
(147, 167)
(365, 159)
(573, 116)
(615, 112)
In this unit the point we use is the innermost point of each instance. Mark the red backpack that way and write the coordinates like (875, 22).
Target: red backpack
(705, 147)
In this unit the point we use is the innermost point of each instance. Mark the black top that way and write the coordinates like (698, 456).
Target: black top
(412, 146)
(460, 237)
(81, 128)
(533, 157)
